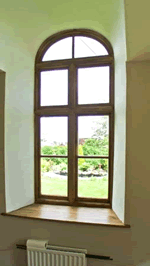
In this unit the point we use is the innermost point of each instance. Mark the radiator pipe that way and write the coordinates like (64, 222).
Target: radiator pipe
(87, 255)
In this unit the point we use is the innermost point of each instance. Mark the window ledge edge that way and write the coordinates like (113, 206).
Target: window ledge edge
(69, 214)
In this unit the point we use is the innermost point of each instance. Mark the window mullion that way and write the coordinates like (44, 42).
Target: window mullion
(72, 137)
(72, 95)
(72, 46)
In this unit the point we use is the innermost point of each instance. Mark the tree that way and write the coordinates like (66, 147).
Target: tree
(97, 145)
(101, 128)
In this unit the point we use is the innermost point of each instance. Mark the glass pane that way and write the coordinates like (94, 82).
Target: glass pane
(54, 176)
(93, 178)
(93, 85)
(86, 47)
(54, 87)
(93, 135)
(52, 142)
(59, 50)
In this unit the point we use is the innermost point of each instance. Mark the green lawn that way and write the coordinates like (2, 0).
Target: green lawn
(95, 188)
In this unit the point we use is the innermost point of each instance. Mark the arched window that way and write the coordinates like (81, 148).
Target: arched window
(74, 119)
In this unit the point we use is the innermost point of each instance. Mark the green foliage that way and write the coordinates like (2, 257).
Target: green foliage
(94, 146)
(55, 150)
(47, 150)
(97, 145)
(45, 166)
(84, 166)
(104, 164)
(58, 161)
(81, 161)
(63, 167)
(90, 147)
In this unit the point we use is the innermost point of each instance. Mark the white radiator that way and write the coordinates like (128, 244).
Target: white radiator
(39, 253)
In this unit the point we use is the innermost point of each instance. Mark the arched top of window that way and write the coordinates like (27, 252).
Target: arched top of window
(71, 44)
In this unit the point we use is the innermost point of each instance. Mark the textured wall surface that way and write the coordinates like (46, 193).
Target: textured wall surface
(137, 29)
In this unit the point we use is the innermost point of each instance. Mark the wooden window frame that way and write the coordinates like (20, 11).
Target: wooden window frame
(72, 110)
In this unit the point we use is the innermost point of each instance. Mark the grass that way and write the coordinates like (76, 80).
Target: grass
(94, 188)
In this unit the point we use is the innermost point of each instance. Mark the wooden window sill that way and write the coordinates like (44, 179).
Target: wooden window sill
(57, 213)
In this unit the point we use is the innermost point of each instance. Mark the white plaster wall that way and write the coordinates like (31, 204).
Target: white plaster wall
(119, 41)
(24, 26)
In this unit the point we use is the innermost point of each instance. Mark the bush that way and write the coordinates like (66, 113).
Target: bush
(84, 166)
(63, 167)
(90, 147)
(105, 164)
(45, 166)
(55, 150)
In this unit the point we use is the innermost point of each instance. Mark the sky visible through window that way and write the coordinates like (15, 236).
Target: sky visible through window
(93, 88)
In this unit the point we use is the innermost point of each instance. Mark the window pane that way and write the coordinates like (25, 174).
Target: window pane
(93, 178)
(85, 47)
(59, 50)
(52, 142)
(54, 87)
(93, 135)
(54, 176)
(93, 85)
